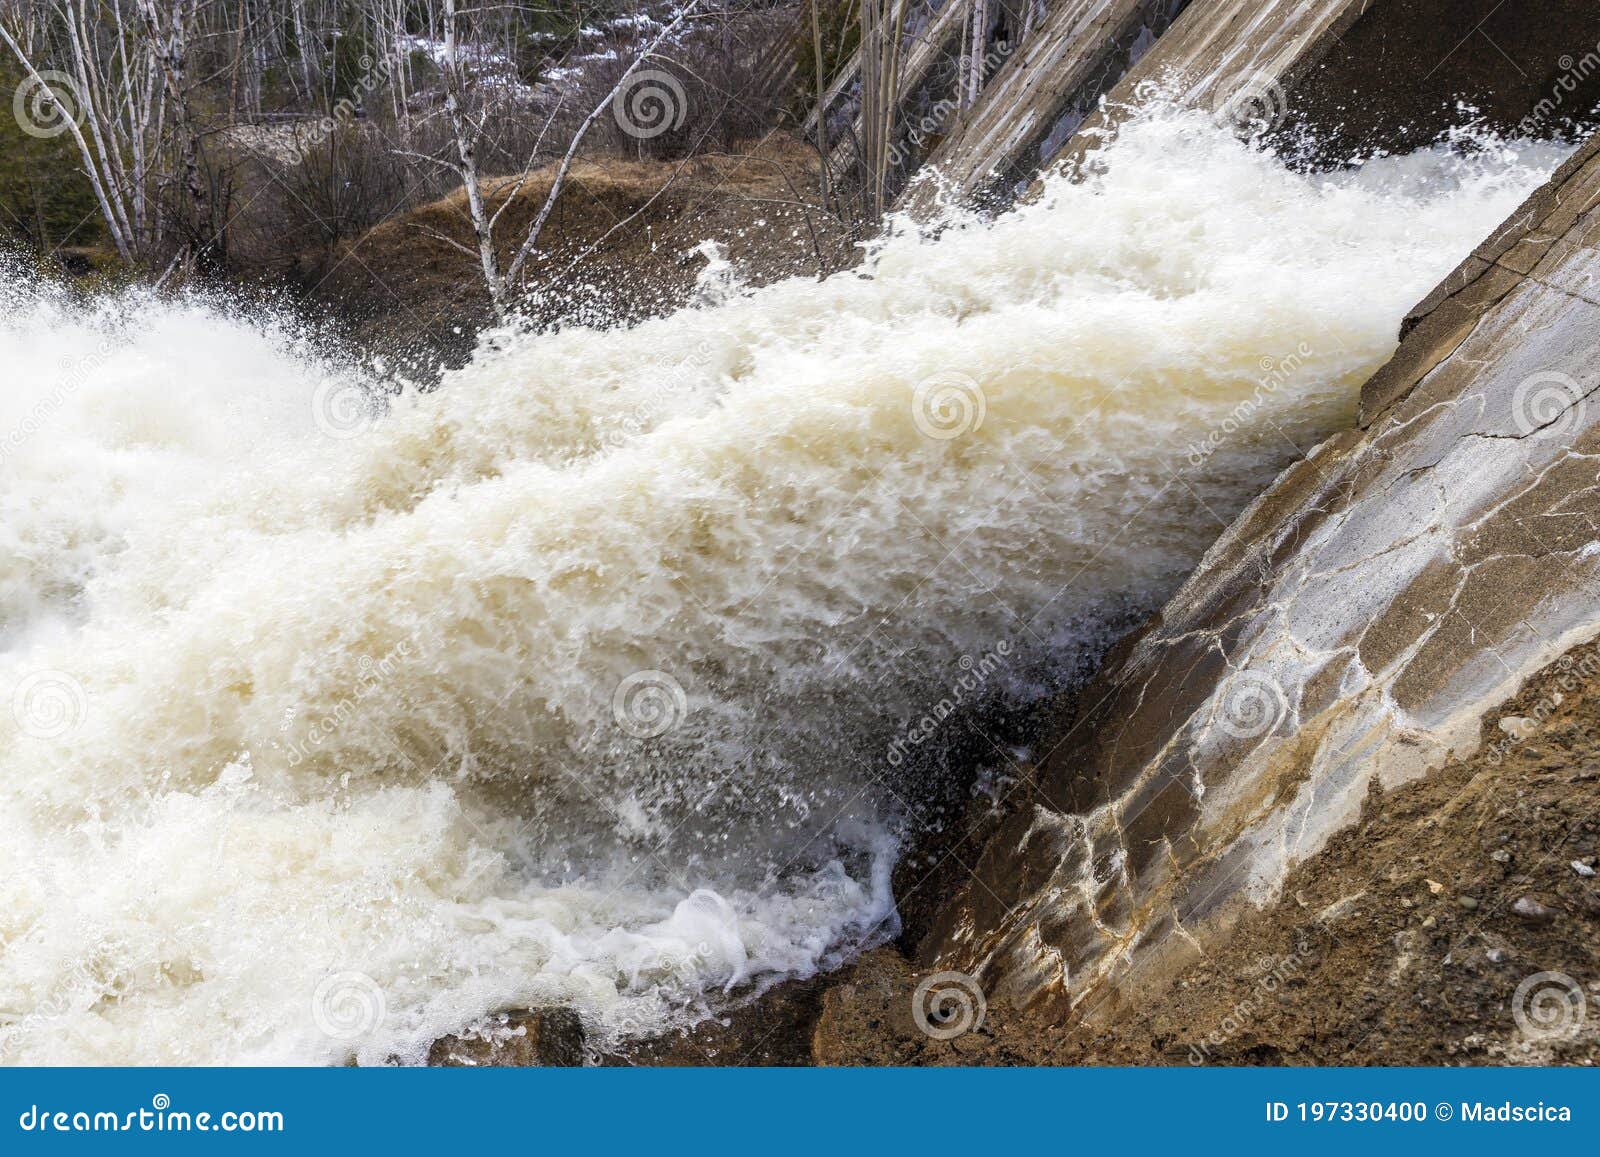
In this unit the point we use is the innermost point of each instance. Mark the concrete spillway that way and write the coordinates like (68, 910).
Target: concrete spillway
(1361, 74)
(1353, 626)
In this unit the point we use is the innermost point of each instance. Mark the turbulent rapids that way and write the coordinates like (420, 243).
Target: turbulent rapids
(338, 713)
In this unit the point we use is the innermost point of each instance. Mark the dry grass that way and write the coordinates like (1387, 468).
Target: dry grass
(619, 244)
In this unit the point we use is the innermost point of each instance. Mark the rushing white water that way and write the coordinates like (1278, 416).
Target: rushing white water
(597, 674)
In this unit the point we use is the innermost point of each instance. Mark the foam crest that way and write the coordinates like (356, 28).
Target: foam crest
(345, 714)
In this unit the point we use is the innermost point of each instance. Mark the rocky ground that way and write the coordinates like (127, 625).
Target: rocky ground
(1404, 942)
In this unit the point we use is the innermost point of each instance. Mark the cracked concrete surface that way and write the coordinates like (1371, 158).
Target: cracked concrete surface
(1353, 625)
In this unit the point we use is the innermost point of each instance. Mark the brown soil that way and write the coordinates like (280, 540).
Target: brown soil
(1401, 943)
(630, 226)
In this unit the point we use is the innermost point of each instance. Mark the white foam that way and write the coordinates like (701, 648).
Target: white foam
(352, 747)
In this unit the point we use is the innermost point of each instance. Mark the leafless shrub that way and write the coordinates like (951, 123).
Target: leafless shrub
(727, 84)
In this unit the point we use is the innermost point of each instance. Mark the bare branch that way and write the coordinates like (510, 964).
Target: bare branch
(534, 230)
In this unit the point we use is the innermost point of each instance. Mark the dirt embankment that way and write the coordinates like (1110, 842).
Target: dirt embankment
(620, 243)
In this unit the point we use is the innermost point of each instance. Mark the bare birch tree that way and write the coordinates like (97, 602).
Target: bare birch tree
(111, 104)
(156, 97)
(467, 128)
(972, 61)
(167, 26)
(882, 31)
